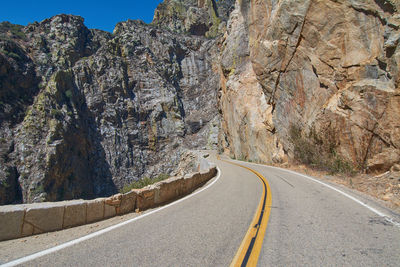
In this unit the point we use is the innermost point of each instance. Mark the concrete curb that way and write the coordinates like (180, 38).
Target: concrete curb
(29, 219)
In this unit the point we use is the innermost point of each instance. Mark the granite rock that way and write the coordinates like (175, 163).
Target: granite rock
(329, 68)
(85, 112)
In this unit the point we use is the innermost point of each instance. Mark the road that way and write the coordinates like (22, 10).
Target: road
(313, 225)
(309, 225)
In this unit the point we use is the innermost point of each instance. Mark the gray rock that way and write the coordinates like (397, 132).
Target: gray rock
(85, 112)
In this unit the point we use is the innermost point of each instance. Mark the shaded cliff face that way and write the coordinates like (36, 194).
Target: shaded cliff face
(84, 112)
(327, 68)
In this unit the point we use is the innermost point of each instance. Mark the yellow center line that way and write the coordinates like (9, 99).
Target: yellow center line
(250, 248)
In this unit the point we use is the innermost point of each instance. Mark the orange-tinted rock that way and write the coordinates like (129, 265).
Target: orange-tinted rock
(114, 200)
(330, 68)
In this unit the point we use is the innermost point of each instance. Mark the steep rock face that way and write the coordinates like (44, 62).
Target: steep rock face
(248, 131)
(84, 112)
(197, 17)
(330, 68)
(57, 148)
(18, 86)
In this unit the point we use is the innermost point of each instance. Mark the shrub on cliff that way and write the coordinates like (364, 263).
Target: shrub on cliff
(317, 153)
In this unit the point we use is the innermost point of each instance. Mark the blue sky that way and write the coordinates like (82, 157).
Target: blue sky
(98, 14)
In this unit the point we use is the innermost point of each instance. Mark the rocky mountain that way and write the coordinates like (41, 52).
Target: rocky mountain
(314, 80)
(84, 112)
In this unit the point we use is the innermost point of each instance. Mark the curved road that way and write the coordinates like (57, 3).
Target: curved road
(309, 225)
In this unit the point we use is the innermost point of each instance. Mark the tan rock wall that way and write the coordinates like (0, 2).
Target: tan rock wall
(247, 126)
(328, 67)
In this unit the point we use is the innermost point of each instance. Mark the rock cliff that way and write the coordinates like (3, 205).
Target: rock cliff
(84, 112)
(324, 72)
(197, 17)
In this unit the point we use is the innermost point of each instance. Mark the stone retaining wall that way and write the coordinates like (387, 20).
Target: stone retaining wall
(30, 219)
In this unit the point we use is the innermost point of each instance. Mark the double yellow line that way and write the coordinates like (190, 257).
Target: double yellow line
(249, 250)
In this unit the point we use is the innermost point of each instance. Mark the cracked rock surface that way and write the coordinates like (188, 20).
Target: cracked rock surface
(329, 68)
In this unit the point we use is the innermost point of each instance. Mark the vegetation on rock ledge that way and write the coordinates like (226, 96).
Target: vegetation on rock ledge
(312, 152)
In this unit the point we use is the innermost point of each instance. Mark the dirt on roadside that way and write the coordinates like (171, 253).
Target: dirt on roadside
(384, 186)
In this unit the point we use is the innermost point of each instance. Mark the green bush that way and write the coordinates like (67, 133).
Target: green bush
(340, 165)
(318, 154)
(12, 28)
(241, 158)
(5, 184)
(68, 93)
(143, 182)
(38, 190)
(56, 113)
(11, 54)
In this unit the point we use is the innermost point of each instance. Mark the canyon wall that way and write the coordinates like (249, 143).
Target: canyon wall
(327, 69)
(84, 112)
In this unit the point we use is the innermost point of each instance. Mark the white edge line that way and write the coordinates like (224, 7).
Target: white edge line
(381, 214)
(100, 232)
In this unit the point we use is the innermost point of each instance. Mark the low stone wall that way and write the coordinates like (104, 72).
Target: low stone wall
(29, 219)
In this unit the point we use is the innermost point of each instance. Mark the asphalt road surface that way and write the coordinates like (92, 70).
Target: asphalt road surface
(309, 225)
